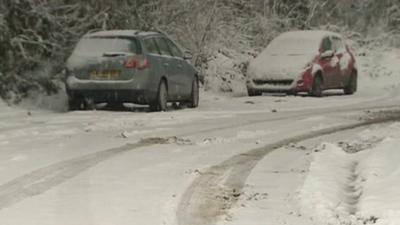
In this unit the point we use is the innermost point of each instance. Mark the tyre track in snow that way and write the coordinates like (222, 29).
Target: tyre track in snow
(41, 180)
(214, 192)
(364, 105)
(290, 115)
(352, 189)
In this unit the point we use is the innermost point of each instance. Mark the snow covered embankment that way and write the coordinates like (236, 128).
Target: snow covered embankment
(379, 69)
(356, 183)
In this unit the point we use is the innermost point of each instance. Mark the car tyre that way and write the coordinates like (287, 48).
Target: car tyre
(292, 92)
(89, 104)
(160, 104)
(115, 106)
(317, 87)
(351, 87)
(75, 104)
(253, 93)
(195, 94)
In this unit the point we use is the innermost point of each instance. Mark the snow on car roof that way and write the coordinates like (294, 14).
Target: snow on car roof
(130, 33)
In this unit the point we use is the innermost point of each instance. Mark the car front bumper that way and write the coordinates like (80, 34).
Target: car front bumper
(297, 85)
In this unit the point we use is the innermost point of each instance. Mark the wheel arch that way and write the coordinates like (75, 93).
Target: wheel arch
(319, 74)
(354, 70)
(164, 79)
(154, 94)
(196, 77)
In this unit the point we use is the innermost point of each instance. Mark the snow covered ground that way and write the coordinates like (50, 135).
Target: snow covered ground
(217, 164)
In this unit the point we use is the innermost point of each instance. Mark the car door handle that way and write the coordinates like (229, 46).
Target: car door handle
(180, 65)
(166, 64)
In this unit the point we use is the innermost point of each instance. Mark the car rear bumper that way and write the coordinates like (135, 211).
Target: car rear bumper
(100, 96)
(111, 91)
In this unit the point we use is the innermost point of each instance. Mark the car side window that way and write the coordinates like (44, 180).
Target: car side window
(174, 49)
(326, 44)
(338, 44)
(151, 46)
(163, 46)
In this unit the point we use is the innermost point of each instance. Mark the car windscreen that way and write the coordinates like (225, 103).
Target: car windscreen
(98, 46)
(293, 46)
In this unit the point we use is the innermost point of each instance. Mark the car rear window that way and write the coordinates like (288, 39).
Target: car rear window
(97, 46)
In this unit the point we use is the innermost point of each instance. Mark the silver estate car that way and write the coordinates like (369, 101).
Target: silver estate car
(128, 66)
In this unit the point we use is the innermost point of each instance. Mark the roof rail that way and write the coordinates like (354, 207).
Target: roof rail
(94, 30)
(157, 31)
(138, 32)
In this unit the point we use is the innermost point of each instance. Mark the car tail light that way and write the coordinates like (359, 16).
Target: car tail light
(137, 63)
(143, 64)
(131, 63)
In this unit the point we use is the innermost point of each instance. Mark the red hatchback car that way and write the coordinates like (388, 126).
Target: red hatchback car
(304, 61)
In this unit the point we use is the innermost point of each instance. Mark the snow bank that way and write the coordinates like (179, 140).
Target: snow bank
(323, 195)
(360, 188)
(40, 101)
(2, 104)
(381, 173)
(378, 60)
(4, 108)
(379, 69)
(225, 72)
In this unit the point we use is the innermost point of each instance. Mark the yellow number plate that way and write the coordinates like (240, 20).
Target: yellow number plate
(105, 75)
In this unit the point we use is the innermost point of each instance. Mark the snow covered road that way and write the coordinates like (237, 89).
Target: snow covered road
(107, 168)
(202, 166)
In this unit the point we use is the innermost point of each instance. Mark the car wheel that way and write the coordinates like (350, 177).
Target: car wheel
(195, 96)
(162, 98)
(115, 106)
(292, 92)
(253, 93)
(317, 87)
(351, 87)
(89, 104)
(75, 104)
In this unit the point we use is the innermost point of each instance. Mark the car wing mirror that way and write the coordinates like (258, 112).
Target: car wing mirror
(327, 54)
(187, 55)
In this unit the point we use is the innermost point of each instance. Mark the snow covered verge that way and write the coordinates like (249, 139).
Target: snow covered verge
(40, 101)
(225, 72)
(3, 105)
(379, 68)
(355, 183)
